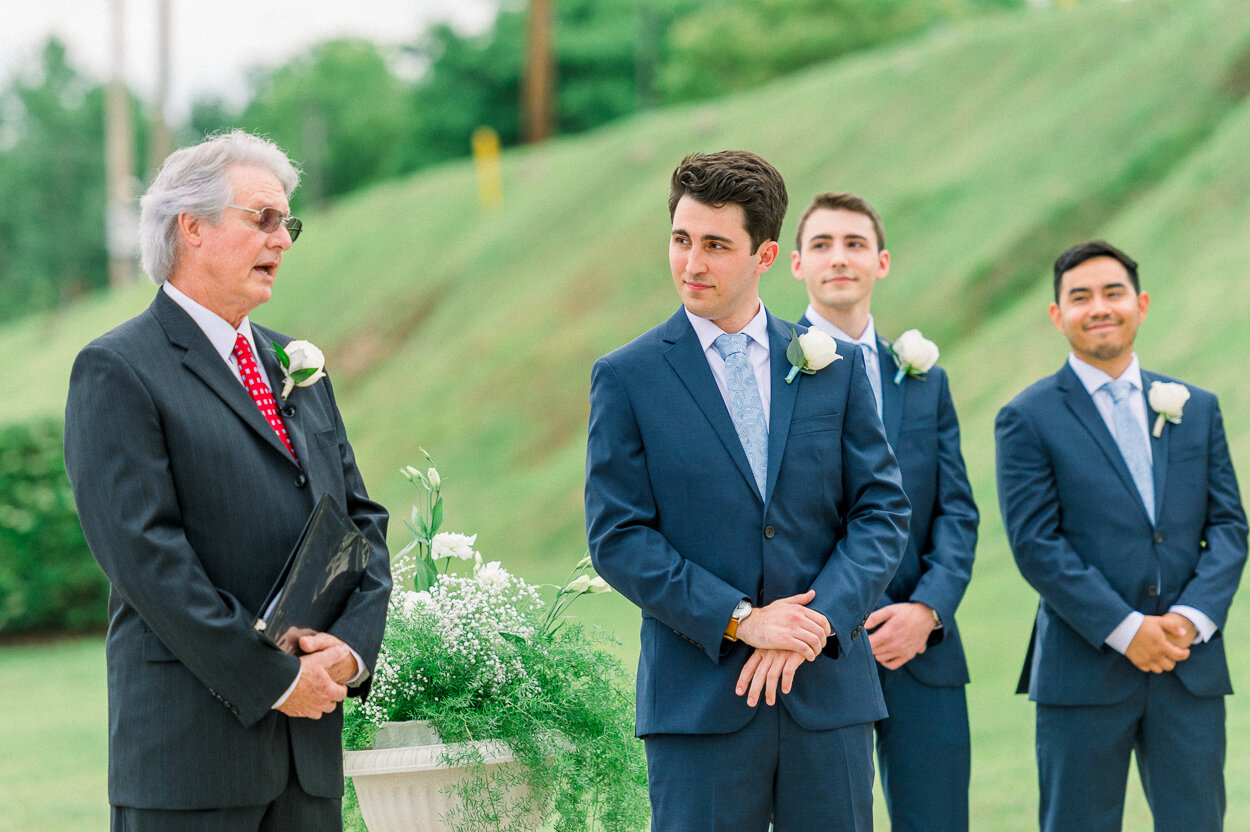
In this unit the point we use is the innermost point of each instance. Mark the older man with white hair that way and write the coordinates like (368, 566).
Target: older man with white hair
(193, 482)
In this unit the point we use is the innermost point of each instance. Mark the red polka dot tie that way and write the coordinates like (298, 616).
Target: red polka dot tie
(259, 391)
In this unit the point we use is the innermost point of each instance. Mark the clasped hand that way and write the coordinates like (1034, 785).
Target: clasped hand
(785, 634)
(1161, 642)
(325, 668)
(899, 632)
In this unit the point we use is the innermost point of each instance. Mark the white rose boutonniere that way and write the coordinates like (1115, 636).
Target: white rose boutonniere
(914, 354)
(1167, 398)
(813, 350)
(303, 365)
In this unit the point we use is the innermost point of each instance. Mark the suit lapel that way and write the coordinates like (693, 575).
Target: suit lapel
(892, 395)
(1158, 445)
(781, 409)
(685, 356)
(204, 362)
(1078, 400)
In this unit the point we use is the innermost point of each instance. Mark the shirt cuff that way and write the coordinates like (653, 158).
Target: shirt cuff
(287, 695)
(1122, 636)
(361, 674)
(1206, 627)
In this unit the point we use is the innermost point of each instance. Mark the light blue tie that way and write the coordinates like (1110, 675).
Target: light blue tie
(874, 375)
(745, 406)
(1132, 442)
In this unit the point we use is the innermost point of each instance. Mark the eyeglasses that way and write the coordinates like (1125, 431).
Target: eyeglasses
(268, 220)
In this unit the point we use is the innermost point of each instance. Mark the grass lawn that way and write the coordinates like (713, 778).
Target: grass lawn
(53, 772)
(59, 783)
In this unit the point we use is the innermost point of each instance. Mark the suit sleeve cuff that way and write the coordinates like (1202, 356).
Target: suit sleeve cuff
(1206, 627)
(287, 695)
(1122, 636)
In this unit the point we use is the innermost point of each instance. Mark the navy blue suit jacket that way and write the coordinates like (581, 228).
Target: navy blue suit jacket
(1082, 538)
(923, 431)
(676, 524)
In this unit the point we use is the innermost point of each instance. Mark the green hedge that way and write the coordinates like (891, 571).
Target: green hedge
(48, 579)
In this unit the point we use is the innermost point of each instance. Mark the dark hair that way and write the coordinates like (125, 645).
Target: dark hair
(736, 177)
(1078, 254)
(841, 201)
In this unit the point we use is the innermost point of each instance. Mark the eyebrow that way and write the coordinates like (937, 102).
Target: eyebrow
(713, 237)
(851, 236)
(1117, 285)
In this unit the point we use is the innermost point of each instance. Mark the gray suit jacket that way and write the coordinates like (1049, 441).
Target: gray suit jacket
(191, 504)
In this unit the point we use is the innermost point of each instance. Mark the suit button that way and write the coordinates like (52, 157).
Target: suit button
(288, 410)
(300, 480)
(855, 633)
(1158, 537)
(770, 532)
(1152, 591)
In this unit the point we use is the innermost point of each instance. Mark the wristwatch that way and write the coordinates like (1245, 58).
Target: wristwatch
(739, 615)
(937, 619)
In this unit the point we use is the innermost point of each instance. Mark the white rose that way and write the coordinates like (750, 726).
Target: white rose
(1167, 398)
(819, 348)
(579, 584)
(434, 478)
(453, 545)
(303, 356)
(916, 351)
(598, 585)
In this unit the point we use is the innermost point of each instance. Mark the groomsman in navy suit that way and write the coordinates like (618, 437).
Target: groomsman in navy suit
(755, 521)
(1122, 510)
(923, 747)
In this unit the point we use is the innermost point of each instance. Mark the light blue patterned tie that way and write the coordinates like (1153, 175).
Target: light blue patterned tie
(1128, 435)
(745, 406)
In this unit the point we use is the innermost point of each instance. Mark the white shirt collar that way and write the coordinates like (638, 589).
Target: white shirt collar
(867, 338)
(708, 332)
(216, 328)
(1093, 378)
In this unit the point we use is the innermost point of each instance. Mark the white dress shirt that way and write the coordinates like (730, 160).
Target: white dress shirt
(222, 336)
(757, 354)
(1093, 379)
(867, 341)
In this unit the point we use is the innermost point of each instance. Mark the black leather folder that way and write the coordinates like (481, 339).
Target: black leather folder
(323, 570)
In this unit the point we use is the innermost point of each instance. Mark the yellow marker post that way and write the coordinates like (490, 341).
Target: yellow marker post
(485, 143)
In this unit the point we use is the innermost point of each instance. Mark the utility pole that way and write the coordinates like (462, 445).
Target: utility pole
(161, 143)
(538, 85)
(121, 224)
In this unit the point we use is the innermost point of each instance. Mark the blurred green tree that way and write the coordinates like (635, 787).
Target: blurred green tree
(52, 185)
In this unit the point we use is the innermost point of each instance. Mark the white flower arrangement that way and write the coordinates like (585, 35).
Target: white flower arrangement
(481, 657)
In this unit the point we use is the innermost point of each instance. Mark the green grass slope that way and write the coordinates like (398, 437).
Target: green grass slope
(988, 148)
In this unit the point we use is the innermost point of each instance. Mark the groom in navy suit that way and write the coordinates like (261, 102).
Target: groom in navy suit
(840, 255)
(754, 521)
(1122, 510)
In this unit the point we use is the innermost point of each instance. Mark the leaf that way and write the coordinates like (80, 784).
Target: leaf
(513, 638)
(283, 358)
(436, 517)
(794, 352)
(424, 575)
(302, 375)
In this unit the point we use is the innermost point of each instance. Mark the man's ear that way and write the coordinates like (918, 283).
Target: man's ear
(767, 255)
(191, 228)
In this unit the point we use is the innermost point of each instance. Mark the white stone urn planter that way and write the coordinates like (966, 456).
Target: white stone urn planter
(403, 781)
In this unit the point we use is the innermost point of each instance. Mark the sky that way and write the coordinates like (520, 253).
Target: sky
(214, 43)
